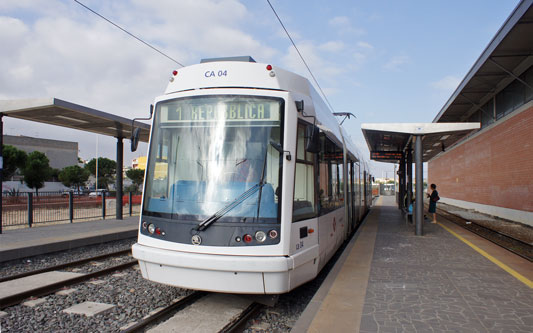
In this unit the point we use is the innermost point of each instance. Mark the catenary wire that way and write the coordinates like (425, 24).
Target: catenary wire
(129, 33)
(301, 57)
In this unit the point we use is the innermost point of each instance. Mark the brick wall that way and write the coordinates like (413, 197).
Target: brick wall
(493, 168)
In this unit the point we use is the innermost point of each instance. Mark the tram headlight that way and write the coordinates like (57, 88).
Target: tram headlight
(273, 234)
(260, 236)
(145, 225)
(151, 228)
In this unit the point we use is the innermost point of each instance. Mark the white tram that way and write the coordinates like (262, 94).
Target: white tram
(251, 184)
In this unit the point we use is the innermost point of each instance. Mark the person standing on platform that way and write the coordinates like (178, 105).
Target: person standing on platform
(433, 198)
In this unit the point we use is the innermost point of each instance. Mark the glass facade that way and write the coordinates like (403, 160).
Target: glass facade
(507, 100)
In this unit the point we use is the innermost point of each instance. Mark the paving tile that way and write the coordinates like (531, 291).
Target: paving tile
(437, 283)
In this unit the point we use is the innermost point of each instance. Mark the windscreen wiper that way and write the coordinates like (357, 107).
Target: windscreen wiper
(213, 218)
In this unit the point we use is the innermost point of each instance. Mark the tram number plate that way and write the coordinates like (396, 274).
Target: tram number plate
(218, 73)
(300, 245)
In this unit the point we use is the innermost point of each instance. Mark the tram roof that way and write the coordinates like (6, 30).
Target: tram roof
(57, 112)
(507, 56)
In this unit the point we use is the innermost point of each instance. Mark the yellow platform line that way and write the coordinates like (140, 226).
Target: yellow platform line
(500, 264)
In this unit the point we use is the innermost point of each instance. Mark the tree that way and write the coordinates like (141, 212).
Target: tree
(136, 176)
(13, 159)
(106, 170)
(74, 176)
(36, 171)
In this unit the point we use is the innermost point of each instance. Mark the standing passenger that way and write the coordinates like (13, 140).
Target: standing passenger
(433, 198)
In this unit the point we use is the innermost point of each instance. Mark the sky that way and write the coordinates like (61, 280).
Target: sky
(384, 61)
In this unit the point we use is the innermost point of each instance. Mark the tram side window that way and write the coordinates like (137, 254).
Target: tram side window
(330, 176)
(340, 190)
(304, 205)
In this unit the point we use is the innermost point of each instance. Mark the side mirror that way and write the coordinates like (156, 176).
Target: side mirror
(313, 139)
(136, 132)
(135, 138)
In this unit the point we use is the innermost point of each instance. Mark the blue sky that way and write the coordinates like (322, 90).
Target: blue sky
(384, 61)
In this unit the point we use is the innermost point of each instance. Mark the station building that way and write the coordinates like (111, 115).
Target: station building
(60, 153)
(491, 170)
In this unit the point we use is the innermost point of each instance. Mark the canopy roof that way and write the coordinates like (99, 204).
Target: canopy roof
(387, 142)
(506, 57)
(57, 112)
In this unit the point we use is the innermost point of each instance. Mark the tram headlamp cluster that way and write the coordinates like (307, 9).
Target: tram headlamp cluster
(260, 236)
(152, 229)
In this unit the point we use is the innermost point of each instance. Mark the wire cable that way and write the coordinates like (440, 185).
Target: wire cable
(129, 33)
(301, 57)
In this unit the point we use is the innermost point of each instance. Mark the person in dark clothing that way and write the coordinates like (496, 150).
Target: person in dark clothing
(433, 198)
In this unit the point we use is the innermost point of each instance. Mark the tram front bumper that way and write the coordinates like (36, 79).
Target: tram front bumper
(214, 272)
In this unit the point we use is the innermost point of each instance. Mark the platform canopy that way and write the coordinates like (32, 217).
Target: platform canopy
(505, 59)
(57, 112)
(387, 141)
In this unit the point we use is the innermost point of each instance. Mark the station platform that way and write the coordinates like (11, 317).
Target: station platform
(448, 280)
(20, 243)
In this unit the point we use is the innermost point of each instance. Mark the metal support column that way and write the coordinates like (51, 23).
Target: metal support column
(119, 182)
(419, 203)
(401, 182)
(409, 176)
(1, 168)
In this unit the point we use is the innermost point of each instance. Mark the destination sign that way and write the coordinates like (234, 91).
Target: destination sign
(215, 110)
(385, 155)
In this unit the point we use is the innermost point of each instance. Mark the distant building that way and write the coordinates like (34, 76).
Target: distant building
(139, 163)
(60, 153)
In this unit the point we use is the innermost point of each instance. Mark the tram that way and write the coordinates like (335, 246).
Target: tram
(251, 185)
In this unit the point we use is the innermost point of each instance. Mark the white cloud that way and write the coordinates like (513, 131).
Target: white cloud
(323, 70)
(365, 45)
(332, 46)
(447, 84)
(58, 49)
(344, 26)
(340, 21)
(395, 63)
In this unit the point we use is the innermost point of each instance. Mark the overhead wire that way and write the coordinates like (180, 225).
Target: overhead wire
(129, 33)
(300, 54)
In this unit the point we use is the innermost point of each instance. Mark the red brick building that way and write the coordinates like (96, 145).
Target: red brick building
(491, 170)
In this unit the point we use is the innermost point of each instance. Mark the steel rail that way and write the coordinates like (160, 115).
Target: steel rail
(176, 306)
(48, 289)
(237, 325)
(462, 223)
(65, 265)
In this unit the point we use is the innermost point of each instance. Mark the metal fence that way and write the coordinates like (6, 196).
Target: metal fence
(27, 208)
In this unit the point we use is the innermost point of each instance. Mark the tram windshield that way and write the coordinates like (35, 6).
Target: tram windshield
(207, 151)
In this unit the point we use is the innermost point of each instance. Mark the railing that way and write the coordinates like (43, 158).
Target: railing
(27, 208)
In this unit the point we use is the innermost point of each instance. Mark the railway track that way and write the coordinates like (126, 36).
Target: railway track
(39, 291)
(510, 243)
(65, 265)
(181, 317)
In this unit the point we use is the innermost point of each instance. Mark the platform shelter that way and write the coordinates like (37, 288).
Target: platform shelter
(400, 142)
(57, 112)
